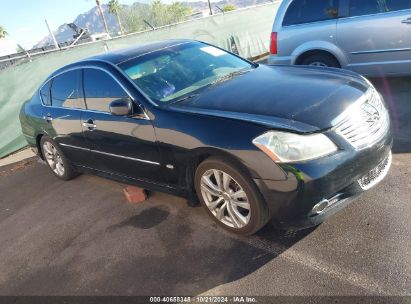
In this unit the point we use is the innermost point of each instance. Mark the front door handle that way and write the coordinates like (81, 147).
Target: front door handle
(406, 21)
(89, 124)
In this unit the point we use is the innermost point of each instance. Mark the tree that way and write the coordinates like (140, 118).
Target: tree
(114, 8)
(229, 8)
(162, 14)
(156, 14)
(133, 17)
(100, 10)
(178, 12)
(3, 32)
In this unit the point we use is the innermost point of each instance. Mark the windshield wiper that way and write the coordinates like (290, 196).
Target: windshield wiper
(184, 98)
(229, 76)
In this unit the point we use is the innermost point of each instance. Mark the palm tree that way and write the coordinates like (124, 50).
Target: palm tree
(3, 32)
(102, 15)
(114, 8)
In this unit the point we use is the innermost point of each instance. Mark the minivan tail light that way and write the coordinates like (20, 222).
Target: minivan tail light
(273, 43)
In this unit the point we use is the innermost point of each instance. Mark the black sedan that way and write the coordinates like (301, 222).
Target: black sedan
(251, 142)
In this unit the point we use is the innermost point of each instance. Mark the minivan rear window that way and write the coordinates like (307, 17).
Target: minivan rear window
(306, 11)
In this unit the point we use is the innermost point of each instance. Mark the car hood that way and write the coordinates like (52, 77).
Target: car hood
(303, 99)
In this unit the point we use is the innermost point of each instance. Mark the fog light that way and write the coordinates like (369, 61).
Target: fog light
(320, 207)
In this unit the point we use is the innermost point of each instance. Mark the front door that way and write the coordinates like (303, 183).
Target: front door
(123, 145)
(376, 36)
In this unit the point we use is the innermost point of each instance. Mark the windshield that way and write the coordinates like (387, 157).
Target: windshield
(170, 74)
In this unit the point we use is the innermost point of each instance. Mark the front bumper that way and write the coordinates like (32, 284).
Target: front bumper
(333, 179)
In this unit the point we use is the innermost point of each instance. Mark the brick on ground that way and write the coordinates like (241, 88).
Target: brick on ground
(135, 195)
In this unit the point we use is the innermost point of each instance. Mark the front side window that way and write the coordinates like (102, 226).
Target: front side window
(306, 11)
(100, 89)
(65, 90)
(170, 74)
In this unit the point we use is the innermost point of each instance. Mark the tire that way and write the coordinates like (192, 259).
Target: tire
(58, 162)
(321, 60)
(228, 205)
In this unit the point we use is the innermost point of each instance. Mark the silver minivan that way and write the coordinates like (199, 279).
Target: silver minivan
(370, 37)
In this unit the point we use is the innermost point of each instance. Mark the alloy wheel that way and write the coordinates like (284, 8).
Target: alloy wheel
(53, 158)
(225, 198)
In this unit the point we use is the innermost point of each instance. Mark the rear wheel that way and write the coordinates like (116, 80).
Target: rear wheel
(321, 60)
(230, 197)
(58, 163)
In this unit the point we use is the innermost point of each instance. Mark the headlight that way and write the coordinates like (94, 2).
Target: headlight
(283, 147)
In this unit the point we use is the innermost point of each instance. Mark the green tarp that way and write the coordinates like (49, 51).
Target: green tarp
(245, 30)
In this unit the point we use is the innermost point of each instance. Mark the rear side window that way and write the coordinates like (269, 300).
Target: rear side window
(100, 89)
(65, 90)
(45, 93)
(306, 11)
(369, 7)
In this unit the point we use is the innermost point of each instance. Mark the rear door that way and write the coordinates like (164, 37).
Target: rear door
(62, 111)
(308, 23)
(376, 36)
(123, 145)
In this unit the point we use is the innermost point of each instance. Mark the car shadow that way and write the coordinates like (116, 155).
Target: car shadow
(397, 95)
(194, 258)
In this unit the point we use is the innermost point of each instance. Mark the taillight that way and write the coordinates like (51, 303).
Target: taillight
(273, 43)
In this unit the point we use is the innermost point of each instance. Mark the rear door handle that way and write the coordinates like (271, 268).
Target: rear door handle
(89, 124)
(406, 21)
(48, 118)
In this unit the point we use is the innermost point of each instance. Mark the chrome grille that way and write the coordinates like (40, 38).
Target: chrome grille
(376, 175)
(365, 122)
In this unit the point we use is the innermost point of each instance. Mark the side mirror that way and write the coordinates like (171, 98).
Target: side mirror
(121, 107)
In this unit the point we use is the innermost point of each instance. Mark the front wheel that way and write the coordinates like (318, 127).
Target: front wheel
(56, 160)
(230, 197)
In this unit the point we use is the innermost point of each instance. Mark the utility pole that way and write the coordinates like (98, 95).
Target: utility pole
(209, 6)
(52, 35)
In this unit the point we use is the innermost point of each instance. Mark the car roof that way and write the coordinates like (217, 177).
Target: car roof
(123, 55)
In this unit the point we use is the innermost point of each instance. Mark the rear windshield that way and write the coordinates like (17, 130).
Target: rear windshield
(306, 11)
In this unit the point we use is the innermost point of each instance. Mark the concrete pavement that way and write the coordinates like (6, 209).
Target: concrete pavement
(82, 238)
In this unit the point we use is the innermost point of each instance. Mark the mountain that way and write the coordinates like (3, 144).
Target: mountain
(92, 20)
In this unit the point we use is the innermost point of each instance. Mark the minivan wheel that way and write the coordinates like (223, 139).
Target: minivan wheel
(230, 197)
(321, 60)
(55, 159)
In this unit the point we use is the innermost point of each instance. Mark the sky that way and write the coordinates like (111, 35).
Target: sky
(24, 19)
